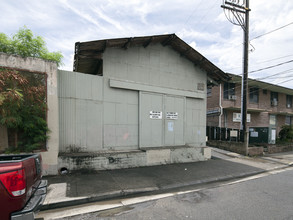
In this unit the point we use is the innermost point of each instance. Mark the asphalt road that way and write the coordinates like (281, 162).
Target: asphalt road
(268, 197)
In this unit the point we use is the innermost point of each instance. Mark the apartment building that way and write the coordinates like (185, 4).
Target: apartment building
(269, 107)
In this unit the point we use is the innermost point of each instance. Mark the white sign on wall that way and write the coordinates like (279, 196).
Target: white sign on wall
(156, 115)
(237, 117)
(273, 135)
(172, 115)
(237, 2)
(233, 133)
(254, 134)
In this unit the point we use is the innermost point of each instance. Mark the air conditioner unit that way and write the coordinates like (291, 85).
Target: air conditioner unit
(232, 97)
(274, 102)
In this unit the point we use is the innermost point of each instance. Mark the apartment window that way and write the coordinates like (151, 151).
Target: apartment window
(253, 95)
(229, 91)
(209, 91)
(274, 98)
(289, 101)
(288, 120)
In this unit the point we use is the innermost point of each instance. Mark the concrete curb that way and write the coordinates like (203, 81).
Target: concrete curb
(131, 192)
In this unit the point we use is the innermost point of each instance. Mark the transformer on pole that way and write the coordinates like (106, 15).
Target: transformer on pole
(237, 12)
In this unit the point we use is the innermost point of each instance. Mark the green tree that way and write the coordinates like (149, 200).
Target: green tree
(11, 99)
(286, 133)
(25, 44)
(23, 108)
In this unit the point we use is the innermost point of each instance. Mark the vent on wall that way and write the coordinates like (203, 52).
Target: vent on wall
(232, 97)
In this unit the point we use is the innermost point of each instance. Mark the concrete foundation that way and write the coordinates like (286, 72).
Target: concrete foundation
(128, 159)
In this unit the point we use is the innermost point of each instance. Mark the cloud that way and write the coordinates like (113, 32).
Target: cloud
(202, 24)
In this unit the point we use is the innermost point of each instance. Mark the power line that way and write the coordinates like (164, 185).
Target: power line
(272, 31)
(209, 11)
(285, 81)
(265, 61)
(277, 74)
(280, 77)
(269, 67)
(196, 8)
(250, 92)
(267, 77)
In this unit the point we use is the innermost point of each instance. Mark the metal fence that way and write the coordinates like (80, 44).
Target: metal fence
(223, 134)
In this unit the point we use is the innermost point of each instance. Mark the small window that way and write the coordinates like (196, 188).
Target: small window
(289, 101)
(209, 91)
(229, 90)
(274, 98)
(253, 95)
(288, 120)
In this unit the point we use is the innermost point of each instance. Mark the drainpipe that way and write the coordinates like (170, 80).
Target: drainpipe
(221, 108)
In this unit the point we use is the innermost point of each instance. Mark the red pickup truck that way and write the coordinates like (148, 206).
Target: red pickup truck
(22, 190)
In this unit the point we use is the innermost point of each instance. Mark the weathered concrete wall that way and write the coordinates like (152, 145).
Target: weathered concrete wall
(230, 146)
(237, 148)
(277, 149)
(195, 126)
(135, 158)
(134, 82)
(255, 151)
(80, 112)
(155, 65)
(155, 69)
(121, 109)
(50, 162)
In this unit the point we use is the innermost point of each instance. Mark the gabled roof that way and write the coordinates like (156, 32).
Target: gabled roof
(88, 55)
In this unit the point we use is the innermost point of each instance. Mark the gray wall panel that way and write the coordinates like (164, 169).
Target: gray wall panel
(155, 65)
(195, 122)
(151, 130)
(120, 118)
(80, 112)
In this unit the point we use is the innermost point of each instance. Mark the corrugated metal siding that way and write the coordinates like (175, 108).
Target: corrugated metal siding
(80, 112)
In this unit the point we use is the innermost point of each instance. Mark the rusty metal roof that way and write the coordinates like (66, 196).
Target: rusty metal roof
(88, 55)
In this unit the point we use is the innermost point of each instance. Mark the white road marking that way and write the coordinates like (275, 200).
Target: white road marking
(105, 205)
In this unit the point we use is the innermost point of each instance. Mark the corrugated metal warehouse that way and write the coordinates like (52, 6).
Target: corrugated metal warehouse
(134, 102)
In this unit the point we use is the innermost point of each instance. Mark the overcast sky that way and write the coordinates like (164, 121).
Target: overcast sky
(200, 23)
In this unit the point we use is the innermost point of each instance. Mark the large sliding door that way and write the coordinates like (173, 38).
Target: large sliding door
(161, 120)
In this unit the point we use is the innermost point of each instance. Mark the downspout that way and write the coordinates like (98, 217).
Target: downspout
(221, 107)
(221, 110)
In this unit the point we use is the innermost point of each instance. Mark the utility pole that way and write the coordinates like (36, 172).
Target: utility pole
(237, 12)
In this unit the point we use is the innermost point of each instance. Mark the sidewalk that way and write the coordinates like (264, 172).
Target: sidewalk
(75, 189)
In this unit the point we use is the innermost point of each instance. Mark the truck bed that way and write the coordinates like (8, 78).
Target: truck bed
(13, 158)
(15, 203)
